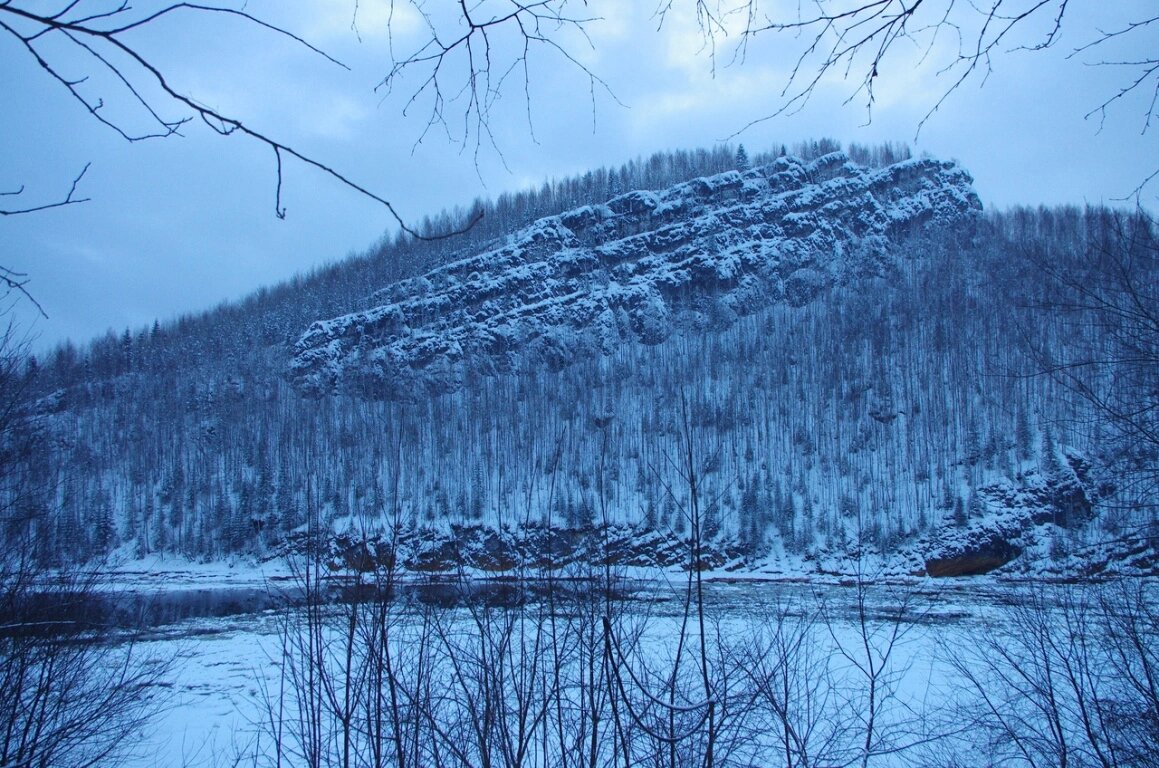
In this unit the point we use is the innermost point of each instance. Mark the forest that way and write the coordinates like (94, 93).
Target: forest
(898, 405)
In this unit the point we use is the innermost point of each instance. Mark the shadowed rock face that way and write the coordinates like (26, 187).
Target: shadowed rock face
(632, 270)
(488, 550)
(983, 554)
(1010, 510)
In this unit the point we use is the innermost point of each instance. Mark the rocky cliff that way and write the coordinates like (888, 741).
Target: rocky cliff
(632, 270)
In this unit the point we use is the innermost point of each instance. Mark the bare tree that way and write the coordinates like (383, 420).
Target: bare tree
(472, 52)
(862, 41)
(72, 693)
(1105, 302)
(794, 687)
(1066, 676)
(74, 690)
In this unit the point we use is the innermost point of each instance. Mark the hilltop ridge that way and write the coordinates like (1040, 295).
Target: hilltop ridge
(632, 270)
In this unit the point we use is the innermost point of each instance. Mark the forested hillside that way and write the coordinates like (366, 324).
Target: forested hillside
(903, 402)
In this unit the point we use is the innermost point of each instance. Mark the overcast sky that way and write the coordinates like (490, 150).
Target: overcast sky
(181, 224)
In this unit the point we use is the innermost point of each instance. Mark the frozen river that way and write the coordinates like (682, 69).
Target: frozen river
(226, 644)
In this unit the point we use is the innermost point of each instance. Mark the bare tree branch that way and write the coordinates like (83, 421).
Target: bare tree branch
(99, 38)
(859, 41)
(470, 55)
(1143, 78)
(17, 281)
(69, 199)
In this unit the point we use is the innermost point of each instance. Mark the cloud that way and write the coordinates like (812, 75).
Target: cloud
(343, 118)
(372, 21)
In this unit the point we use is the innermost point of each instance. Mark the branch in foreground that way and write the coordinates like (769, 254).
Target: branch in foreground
(469, 56)
(69, 199)
(16, 281)
(94, 38)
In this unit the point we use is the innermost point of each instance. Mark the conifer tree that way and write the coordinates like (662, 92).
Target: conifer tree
(742, 159)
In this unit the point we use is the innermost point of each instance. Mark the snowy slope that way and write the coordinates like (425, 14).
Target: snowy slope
(631, 270)
(843, 349)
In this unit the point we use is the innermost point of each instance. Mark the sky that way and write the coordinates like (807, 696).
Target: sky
(180, 224)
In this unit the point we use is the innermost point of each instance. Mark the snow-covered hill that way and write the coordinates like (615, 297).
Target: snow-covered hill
(843, 354)
(633, 270)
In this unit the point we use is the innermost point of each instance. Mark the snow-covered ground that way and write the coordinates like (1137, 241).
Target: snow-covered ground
(224, 666)
(158, 573)
(210, 708)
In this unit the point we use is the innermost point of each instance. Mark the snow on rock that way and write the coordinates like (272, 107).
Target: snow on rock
(578, 283)
(1013, 516)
